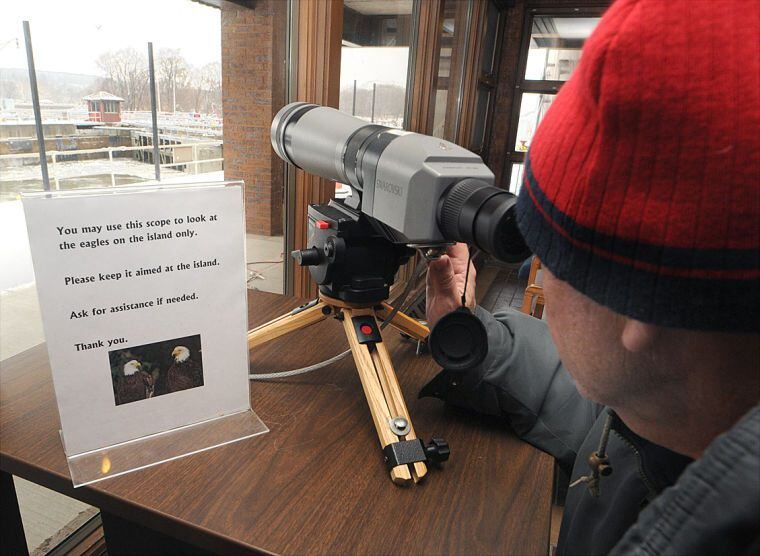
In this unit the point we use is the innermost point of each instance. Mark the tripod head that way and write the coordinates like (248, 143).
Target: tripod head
(352, 256)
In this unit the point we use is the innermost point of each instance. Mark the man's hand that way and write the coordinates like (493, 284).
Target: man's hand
(445, 283)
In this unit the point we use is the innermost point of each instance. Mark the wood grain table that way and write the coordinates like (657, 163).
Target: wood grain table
(315, 484)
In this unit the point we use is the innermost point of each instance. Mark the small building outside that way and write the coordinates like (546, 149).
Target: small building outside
(104, 107)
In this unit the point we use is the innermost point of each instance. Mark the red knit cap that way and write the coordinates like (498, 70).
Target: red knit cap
(642, 184)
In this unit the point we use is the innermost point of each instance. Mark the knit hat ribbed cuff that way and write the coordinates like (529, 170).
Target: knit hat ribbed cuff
(693, 288)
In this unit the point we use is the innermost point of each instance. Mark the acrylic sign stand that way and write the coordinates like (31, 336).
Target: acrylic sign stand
(228, 415)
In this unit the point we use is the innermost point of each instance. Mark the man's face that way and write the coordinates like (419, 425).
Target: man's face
(588, 339)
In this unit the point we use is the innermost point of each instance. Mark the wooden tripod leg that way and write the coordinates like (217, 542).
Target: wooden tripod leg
(382, 391)
(288, 322)
(405, 323)
(396, 403)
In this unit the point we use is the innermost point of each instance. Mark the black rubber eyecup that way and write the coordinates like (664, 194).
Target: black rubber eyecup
(473, 211)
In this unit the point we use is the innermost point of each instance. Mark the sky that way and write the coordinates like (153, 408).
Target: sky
(69, 35)
(373, 64)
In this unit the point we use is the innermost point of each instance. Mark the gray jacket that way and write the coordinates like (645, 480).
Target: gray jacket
(711, 507)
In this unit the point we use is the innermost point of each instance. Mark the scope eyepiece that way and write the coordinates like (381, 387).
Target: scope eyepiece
(473, 211)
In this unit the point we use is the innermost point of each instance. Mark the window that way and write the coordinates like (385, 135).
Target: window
(549, 54)
(486, 84)
(516, 178)
(533, 107)
(375, 59)
(555, 46)
(453, 32)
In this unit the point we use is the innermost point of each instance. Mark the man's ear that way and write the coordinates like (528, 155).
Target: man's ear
(638, 336)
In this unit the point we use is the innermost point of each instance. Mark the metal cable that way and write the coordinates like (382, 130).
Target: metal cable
(303, 370)
(470, 258)
(421, 265)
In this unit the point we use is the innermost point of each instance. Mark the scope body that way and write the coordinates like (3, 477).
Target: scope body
(428, 191)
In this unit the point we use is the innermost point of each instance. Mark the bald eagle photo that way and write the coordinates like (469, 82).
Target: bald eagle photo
(135, 385)
(184, 373)
(152, 370)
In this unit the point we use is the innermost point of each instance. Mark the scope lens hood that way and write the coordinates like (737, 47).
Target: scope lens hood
(285, 117)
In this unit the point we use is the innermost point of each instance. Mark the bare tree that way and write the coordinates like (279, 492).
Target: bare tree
(125, 73)
(389, 101)
(178, 83)
(173, 75)
(206, 84)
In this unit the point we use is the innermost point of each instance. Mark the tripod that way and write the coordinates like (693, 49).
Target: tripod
(405, 454)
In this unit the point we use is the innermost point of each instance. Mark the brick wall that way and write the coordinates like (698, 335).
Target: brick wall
(252, 92)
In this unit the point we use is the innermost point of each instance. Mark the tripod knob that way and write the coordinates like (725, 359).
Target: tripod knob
(307, 257)
(437, 450)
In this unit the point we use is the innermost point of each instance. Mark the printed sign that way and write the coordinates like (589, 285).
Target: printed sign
(143, 300)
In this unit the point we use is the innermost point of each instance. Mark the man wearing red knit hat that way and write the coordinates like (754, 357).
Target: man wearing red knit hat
(642, 200)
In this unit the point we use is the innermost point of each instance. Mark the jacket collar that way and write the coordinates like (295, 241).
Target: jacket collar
(660, 465)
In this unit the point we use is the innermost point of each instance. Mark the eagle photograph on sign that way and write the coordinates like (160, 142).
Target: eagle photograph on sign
(152, 370)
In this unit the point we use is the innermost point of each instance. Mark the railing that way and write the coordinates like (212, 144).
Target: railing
(182, 122)
(53, 156)
(176, 122)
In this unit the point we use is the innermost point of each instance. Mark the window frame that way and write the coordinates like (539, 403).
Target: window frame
(545, 86)
(480, 81)
(381, 22)
(499, 152)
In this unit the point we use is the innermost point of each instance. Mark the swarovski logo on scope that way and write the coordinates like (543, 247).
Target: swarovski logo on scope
(389, 187)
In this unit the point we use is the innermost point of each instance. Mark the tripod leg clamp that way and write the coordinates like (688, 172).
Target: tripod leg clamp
(404, 452)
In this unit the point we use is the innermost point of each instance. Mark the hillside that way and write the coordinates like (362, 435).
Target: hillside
(55, 86)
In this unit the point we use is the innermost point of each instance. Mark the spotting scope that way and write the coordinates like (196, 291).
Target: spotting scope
(424, 191)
